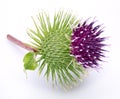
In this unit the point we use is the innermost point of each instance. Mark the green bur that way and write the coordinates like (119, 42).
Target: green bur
(51, 41)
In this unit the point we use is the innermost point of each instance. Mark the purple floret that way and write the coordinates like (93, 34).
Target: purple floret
(87, 45)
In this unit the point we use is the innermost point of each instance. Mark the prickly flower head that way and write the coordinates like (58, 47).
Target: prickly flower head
(60, 52)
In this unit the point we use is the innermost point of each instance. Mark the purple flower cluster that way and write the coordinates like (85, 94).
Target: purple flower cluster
(87, 45)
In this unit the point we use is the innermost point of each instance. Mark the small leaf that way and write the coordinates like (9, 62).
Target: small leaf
(29, 61)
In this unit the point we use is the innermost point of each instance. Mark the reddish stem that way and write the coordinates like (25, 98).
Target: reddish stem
(20, 43)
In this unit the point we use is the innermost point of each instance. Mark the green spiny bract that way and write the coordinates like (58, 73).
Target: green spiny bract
(52, 42)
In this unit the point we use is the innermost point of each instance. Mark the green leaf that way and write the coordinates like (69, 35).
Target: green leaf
(29, 61)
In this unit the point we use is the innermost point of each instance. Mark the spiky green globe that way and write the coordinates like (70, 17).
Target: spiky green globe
(52, 42)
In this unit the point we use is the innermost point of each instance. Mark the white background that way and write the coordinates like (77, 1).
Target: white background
(15, 18)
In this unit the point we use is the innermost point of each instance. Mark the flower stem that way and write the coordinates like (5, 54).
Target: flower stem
(20, 43)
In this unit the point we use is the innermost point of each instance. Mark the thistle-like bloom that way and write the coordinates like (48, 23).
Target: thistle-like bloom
(52, 51)
(87, 45)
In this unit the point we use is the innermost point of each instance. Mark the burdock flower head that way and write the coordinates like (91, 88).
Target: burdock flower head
(60, 52)
(87, 45)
